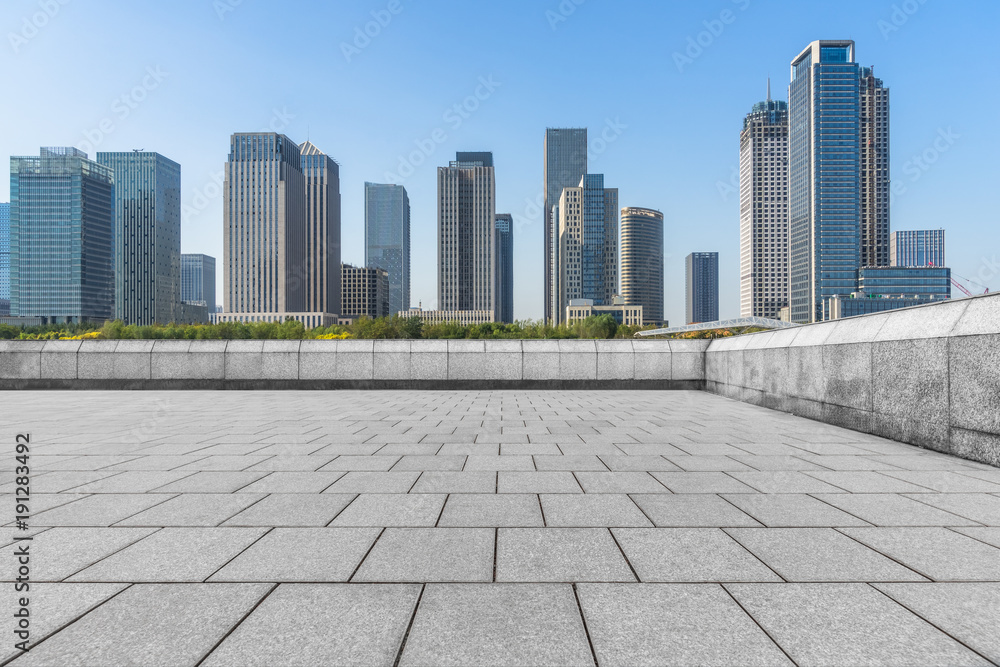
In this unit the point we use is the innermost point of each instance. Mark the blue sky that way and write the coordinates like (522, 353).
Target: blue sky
(666, 82)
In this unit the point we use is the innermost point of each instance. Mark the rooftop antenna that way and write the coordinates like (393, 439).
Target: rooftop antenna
(138, 150)
(768, 89)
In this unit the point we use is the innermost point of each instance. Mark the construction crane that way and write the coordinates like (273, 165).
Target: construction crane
(962, 287)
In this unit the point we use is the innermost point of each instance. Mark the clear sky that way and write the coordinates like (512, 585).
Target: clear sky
(668, 82)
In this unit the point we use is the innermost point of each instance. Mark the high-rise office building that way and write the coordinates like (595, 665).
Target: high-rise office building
(387, 238)
(275, 266)
(824, 174)
(504, 289)
(764, 209)
(917, 247)
(147, 236)
(702, 287)
(62, 216)
(198, 280)
(565, 163)
(642, 261)
(466, 233)
(588, 244)
(5, 259)
(365, 291)
(874, 170)
(322, 268)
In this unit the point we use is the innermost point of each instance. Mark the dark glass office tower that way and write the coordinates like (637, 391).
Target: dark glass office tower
(323, 279)
(5, 258)
(198, 280)
(387, 239)
(874, 170)
(147, 236)
(642, 261)
(824, 176)
(62, 214)
(565, 164)
(702, 287)
(505, 267)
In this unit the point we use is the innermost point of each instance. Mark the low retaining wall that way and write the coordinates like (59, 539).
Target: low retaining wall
(352, 364)
(928, 375)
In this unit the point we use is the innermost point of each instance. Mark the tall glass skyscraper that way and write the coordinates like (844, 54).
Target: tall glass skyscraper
(147, 236)
(565, 164)
(874, 170)
(702, 286)
(62, 215)
(5, 257)
(466, 233)
(917, 247)
(198, 280)
(642, 261)
(824, 176)
(505, 267)
(387, 239)
(323, 279)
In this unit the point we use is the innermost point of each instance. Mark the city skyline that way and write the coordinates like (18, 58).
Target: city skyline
(685, 171)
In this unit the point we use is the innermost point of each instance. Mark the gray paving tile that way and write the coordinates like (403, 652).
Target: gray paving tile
(361, 463)
(315, 624)
(784, 481)
(863, 481)
(392, 509)
(193, 509)
(691, 510)
(819, 554)
(689, 555)
(374, 482)
(893, 510)
(650, 449)
(60, 552)
(553, 481)
(625, 463)
(481, 510)
(619, 482)
(59, 481)
(54, 605)
(847, 624)
(848, 463)
(946, 481)
(291, 463)
(559, 554)
(430, 554)
(211, 482)
(131, 481)
(150, 462)
(456, 482)
(988, 535)
(301, 554)
(672, 624)
(707, 463)
(924, 461)
(937, 553)
(600, 510)
(580, 463)
(398, 449)
(702, 482)
(530, 448)
(153, 625)
(230, 463)
(522, 462)
(421, 463)
(980, 507)
(291, 509)
(967, 612)
(510, 625)
(293, 482)
(792, 510)
(776, 463)
(173, 555)
(98, 510)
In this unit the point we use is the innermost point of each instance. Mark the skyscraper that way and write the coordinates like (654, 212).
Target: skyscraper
(917, 247)
(565, 164)
(466, 233)
(824, 176)
(62, 214)
(5, 258)
(642, 261)
(387, 238)
(365, 292)
(764, 209)
(874, 170)
(588, 244)
(702, 287)
(266, 248)
(505, 267)
(198, 280)
(147, 236)
(322, 270)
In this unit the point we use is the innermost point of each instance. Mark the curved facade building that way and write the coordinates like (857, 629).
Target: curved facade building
(642, 261)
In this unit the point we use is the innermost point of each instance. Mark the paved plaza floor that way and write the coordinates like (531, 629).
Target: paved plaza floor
(488, 528)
